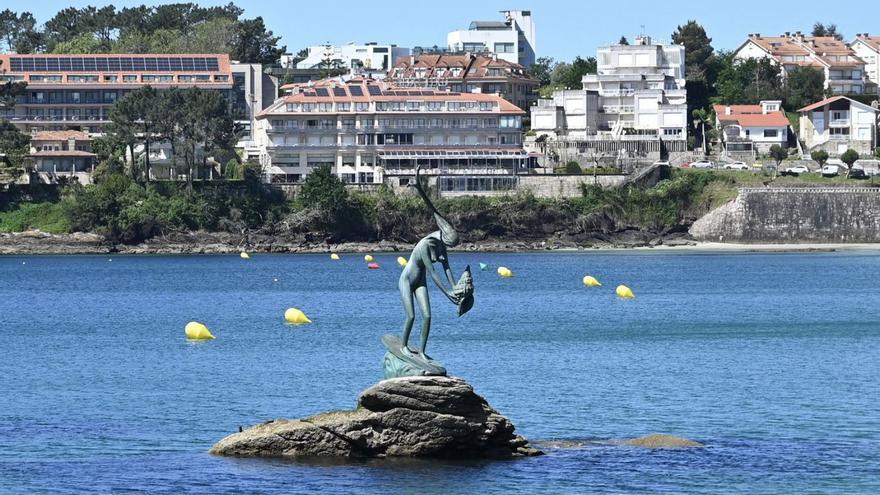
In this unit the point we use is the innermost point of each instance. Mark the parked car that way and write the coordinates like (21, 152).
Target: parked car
(662, 163)
(796, 170)
(857, 173)
(736, 166)
(702, 164)
(830, 170)
(870, 166)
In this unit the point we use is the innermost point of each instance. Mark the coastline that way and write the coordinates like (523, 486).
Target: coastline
(41, 243)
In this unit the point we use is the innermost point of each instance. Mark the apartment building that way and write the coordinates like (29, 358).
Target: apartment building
(76, 92)
(844, 71)
(469, 73)
(634, 105)
(371, 58)
(367, 130)
(752, 128)
(867, 48)
(58, 156)
(512, 39)
(837, 124)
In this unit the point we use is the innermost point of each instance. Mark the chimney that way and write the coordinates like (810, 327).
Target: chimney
(787, 34)
(727, 110)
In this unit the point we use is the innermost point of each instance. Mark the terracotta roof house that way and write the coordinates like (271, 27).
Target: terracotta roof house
(837, 124)
(466, 73)
(58, 156)
(752, 128)
(867, 48)
(844, 71)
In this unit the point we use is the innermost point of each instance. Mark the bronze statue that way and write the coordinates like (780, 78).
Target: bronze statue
(401, 360)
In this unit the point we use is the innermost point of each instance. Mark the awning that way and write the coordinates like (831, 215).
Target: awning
(451, 154)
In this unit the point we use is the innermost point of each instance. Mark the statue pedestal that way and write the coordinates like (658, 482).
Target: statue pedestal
(397, 364)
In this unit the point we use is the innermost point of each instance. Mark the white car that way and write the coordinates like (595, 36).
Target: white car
(702, 164)
(797, 170)
(830, 170)
(736, 166)
(662, 163)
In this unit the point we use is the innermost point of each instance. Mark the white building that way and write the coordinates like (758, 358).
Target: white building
(844, 71)
(752, 128)
(512, 39)
(837, 124)
(366, 129)
(370, 58)
(867, 48)
(638, 91)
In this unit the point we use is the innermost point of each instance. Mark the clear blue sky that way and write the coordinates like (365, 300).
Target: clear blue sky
(565, 28)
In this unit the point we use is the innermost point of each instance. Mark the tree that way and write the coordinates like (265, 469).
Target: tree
(83, 44)
(14, 148)
(255, 44)
(830, 30)
(803, 85)
(820, 157)
(849, 157)
(778, 153)
(746, 81)
(704, 118)
(572, 167)
(623, 41)
(323, 189)
(877, 152)
(569, 76)
(698, 51)
(541, 70)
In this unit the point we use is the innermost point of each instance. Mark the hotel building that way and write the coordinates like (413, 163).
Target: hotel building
(366, 130)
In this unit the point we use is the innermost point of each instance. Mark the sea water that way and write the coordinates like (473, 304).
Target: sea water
(771, 360)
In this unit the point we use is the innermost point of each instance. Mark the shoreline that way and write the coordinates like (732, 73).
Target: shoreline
(41, 243)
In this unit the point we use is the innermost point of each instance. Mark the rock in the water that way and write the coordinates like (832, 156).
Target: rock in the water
(658, 441)
(431, 416)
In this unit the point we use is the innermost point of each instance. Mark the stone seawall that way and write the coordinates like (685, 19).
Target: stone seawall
(793, 215)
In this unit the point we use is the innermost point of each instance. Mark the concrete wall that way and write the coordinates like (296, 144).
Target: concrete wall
(565, 186)
(793, 215)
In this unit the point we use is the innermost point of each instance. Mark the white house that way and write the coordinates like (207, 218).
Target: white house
(838, 123)
(844, 71)
(512, 39)
(752, 127)
(371, 57)
(867, 48)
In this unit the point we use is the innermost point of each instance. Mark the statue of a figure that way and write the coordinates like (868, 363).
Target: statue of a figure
(414, 285)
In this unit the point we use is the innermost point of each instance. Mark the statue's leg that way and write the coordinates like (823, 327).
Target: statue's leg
(425, 309)
(406, 295)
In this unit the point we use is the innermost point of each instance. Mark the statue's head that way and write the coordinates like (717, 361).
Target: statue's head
(447, 234)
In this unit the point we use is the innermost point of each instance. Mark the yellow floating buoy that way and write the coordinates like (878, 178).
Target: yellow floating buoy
(296, 316)
(591, 282)
(197, 331)
(504, 272)
(368, 258)
(334, 256)
(624, 292)
(401, 261)
(244, 255)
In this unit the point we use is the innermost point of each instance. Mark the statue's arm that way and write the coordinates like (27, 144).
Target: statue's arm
(439, 282)
(448, 271)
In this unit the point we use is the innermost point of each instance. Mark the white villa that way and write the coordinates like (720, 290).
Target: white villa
(838, 123)
(512, 39)
(867, 48)
(752, 128)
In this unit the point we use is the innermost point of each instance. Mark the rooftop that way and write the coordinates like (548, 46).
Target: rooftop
(60, 136)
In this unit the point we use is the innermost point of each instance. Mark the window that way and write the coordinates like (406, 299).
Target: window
(485, 106)
(36, 77)
(510, 122)
(129, 78)
(770, 133)
(221, 78)
(82, 78)
(309, 107)
(504, 48)
(412, 106)
(325, 107)
(292, 107)
(435, 106)
(361, 106)
(343, 107)
(474, 47)
(672, 132)
(110, 78)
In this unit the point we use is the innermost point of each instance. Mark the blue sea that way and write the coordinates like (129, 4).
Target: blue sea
(771, 360)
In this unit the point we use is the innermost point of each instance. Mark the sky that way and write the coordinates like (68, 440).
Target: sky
(564, 28)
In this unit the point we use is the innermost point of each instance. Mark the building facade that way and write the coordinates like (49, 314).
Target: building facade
(752, 128)
(512, 39)
(837, 124)
(867, 48)
(366, 130)
(76, 92)
(635, 105)
(470, 73)
(62, 156)
(844, 71)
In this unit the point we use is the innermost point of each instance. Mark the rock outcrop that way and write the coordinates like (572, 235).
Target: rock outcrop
(432, 416)
(660, 441)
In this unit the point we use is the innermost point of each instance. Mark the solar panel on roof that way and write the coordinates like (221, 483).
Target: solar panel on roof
(322, 92)
(356, 90)
(309, 93)
(337, 91)
(427, 93)
(374, 90)
(102, 64)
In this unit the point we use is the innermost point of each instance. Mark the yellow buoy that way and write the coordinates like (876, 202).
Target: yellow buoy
(296, 316)
(197, 331)
(591, 282)
(504, 272)
(334, 256)
(401, 261)
(368, 258)
(624, 292)
(244, 255)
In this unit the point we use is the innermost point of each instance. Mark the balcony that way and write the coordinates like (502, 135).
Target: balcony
(838, 123)
(619, 108)
(617, 92)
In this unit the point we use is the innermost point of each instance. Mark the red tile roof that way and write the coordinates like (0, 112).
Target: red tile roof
(826, 101)
(473, 67)
(62, 153)
(872, 41)
(750, 116)
(60, 136)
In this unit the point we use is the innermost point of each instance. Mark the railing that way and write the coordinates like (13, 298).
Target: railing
(839, 122)
(618, 108)
(618, 92)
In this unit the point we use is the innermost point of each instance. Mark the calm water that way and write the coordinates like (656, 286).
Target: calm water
(773, 360)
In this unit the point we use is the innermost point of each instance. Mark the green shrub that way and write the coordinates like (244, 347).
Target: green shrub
(48, 217)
